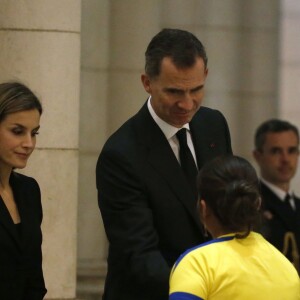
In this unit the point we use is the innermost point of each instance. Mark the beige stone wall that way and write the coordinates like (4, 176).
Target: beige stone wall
(289, 66)
(133, 23)
(93, 128)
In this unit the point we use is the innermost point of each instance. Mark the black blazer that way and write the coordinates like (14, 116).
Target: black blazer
(147, 206)
(278, 220)
(21, 276)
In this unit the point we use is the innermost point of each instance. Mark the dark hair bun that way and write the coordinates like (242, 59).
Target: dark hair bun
(241, 204)
(229, 185)
(241, 188)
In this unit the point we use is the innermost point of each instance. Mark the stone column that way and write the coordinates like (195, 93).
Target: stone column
(92, 242)
(40, 46)
(133, 24)
(289, 100)
(259, 69)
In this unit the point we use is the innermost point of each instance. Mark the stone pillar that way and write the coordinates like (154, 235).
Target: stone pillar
(289, 100)
(259, 69)
(92, 242)
(133, 24)
(40, 46)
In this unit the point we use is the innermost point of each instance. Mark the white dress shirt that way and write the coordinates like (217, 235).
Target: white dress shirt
(170, 132)
(279, 192)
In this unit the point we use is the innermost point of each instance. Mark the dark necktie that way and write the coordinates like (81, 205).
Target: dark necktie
(187, 161)
(287, 201)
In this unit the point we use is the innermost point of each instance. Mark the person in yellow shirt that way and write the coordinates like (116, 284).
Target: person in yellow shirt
(237, 263)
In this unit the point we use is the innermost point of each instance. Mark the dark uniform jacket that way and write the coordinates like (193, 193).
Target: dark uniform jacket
(281, 224)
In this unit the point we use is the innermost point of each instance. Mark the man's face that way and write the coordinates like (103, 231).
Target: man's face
(176, 94)
(278, 158)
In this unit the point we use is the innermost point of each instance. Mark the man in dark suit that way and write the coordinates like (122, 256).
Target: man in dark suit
(147, 201)
(276, 152)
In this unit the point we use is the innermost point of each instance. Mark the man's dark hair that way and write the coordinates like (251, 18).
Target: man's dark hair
(180, 45)
(272, 126)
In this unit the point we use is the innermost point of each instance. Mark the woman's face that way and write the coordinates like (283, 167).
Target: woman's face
(18, 137)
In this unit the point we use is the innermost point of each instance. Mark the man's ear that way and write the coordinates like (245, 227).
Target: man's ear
(202, 209)
(206, 72)
(257, 155)
(146, 83)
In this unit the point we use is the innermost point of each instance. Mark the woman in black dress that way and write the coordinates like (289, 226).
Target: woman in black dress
(21, 275)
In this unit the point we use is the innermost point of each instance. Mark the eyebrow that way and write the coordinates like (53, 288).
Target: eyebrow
(282, 148)
(22, 126)
(199, 87)
(293, 148)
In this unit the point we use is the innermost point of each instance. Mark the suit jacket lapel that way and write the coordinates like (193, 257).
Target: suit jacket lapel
(6, 219)
(21, 195)
(275, 205)
(204, 143)
(162, 158)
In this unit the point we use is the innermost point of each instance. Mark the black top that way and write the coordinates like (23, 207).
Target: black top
(19, 228)
(21, 276)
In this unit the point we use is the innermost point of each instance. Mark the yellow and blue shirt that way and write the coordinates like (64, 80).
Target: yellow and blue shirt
(231, 268)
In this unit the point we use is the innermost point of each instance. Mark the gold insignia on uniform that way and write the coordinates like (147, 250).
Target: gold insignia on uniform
(290, 244)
